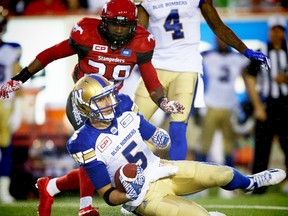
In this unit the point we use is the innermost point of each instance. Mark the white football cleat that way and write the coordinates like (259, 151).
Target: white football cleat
(216, 214)
(5, 196)
(125, 212)
(267, 178)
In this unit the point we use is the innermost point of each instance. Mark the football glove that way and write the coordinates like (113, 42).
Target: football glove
(133, 186)
(161, 139)
(171, 106)
(10, 86)
(258, 56)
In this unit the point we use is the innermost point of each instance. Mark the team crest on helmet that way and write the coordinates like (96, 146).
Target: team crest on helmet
(78, 96)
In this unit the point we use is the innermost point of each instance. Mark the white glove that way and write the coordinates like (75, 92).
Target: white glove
(161, 139)
(10, 86)
(133, 187)
(171, 106)
(164, 171)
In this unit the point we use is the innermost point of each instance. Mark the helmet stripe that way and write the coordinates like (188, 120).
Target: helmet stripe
(101, 81)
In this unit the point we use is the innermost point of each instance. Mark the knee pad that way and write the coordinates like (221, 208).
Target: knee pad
(224, 175)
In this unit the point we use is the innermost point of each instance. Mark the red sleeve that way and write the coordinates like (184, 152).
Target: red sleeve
(149, 76)
(60, 50)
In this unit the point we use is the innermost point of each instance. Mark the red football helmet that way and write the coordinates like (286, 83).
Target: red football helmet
(3, 20)
(119, 21)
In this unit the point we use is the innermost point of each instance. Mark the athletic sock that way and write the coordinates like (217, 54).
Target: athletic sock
(239, 181)
(52, 188)
(70, 181)
(85, 202)
(86, 186)
(178, 149)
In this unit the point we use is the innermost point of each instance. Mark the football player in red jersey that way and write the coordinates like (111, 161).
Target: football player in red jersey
(110, 47)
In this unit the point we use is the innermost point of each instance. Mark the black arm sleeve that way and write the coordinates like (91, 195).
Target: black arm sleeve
(107, 195)
(23, 75)
(82, 51)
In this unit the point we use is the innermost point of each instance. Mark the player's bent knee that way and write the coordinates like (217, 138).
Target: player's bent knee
(224, 175)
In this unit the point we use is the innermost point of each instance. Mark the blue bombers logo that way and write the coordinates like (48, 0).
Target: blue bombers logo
(126, 52)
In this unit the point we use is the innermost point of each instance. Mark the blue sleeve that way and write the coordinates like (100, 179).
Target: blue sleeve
(98, 174)
(146, 129)
(125, 103)
(81, 142)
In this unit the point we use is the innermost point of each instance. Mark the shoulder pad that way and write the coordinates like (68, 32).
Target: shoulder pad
(143, 40)
(84, 28)
(125, 103)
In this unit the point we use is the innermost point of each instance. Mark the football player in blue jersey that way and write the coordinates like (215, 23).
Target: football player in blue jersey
(114, 134)
(175, 26)
(10, 54)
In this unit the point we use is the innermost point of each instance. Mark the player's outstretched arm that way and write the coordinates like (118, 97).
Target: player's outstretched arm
(222, 31)
(17, 81)
(45, 57)
(156, 90)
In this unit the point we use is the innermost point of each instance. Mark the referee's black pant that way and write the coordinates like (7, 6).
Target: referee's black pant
(276, 124)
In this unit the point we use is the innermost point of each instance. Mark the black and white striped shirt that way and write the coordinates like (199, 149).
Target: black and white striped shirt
(266, 84)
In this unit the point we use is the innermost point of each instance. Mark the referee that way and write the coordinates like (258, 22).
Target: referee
(268, 92)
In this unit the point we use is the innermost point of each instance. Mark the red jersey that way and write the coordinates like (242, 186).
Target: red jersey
(95, 55)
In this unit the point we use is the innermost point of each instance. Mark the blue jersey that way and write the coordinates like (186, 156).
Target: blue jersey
(102, 151)
(10, 54)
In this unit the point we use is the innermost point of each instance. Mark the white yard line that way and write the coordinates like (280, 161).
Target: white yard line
(99, 205)
(247, 207)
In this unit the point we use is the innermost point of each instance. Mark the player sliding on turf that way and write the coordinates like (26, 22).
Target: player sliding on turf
(114, 135)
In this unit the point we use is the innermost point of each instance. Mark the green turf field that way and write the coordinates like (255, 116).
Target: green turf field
(272, 203)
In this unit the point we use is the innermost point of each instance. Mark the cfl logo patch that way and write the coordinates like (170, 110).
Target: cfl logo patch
(100, 48)
(104, 144)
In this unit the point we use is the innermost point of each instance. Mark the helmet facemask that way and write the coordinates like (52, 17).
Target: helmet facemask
(98, 113)
(112, 38)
